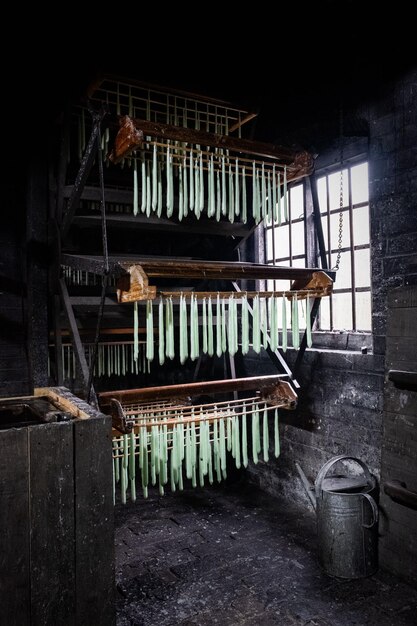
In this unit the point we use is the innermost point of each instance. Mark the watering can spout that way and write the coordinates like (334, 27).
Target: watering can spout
(307, 486)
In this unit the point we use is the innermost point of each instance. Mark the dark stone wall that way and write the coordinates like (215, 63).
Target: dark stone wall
(341, 403)
(14, 371)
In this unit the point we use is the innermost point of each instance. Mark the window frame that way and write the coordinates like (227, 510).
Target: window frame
(312, 255)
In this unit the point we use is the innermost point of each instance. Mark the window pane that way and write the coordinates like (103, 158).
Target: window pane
(334, 189)
(321, 191)
(324, 313)
(297, 238)
(299, 262)
(361, 225)
(288, 308)
(344, 273)
(269, 248)
(334, 230)
(363, 310)
(359, 178)
(302, 314)
(282, 244)
(297, 202)
(342, 311)
(362, 268)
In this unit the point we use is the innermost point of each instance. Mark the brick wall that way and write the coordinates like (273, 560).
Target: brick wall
(341, 400)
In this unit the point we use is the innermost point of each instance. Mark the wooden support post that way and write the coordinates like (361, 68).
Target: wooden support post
(76, 340)
(317, 222)
(83, 173)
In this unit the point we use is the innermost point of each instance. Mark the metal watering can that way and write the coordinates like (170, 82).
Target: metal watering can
(347, 520)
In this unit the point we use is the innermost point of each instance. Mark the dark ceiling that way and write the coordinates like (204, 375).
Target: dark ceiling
(293, 63)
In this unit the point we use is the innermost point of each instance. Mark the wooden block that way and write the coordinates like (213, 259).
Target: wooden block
(52, 523)
(94, 534)
(14, 525)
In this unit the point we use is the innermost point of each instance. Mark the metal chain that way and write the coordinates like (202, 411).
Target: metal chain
(340, 238)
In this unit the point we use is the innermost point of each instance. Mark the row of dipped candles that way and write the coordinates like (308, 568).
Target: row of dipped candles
(224, 325)
(168, 447)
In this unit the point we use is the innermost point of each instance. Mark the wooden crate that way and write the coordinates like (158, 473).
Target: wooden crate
(56, 521)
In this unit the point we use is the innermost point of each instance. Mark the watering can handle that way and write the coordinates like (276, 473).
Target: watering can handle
(374, 508)
(322, 473)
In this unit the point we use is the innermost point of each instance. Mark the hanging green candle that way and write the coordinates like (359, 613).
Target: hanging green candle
(256, 335)
(229, 430)
(231, 196)
(264, 322)
(224, 202)
(219, 350)
(308, 323)
(216, 449)
(277, 449)
(210, 342)
(255, 433)
(180, 195)
(149, 331)
(185, 188)
(125, 465)
(201, 186)
(294, 323)
(154, 179)
(183, 329)
(237, 442)
(222, 447)
(273, 323)
(284, 323)
(274, 215)
(191, 200)
(265, 436)
(244, 438)
(132, 469)
(161, 332)
(237, 196)
(224, 336)
(135, 188)
(285, 191)
(244, 198)
(205, 329)
(135, 332)
(245, 325)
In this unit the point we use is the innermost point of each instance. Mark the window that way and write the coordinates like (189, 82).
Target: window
(349, 307)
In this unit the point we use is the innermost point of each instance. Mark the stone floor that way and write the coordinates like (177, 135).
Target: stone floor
(236, 557)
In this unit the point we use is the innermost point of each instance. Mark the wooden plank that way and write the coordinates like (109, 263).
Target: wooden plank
(94, 532)
(284, 156)
(15, 530)
(52, 524)
(191, 389)
(160, 267)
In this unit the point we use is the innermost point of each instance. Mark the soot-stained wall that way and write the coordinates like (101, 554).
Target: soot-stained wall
(14, 372)
(341, 401)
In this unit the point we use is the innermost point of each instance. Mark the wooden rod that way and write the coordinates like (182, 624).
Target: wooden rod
(285, 156)
(205, 387)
